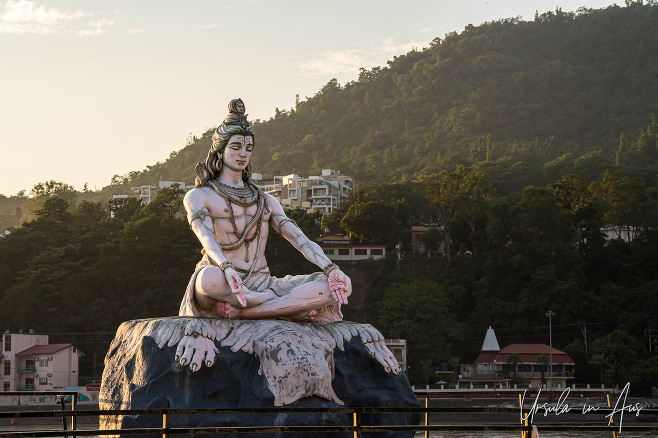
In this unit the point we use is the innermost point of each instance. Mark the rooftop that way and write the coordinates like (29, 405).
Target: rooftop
(43, 349)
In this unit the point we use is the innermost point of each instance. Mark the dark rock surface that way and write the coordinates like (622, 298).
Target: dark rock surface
(150, 378)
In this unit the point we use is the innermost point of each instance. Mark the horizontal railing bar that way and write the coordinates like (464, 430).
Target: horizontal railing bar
(362, 410)
(311, 429)
(28, 393)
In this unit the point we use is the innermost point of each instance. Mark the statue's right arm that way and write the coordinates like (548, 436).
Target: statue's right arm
(196, 205)
(198, 216)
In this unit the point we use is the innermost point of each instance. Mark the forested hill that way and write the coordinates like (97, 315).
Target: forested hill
(504, 92)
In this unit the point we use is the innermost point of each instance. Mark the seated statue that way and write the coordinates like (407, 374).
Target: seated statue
(231, 216)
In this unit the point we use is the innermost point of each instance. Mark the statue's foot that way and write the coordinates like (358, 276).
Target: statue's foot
(306, 316)
(223, 310)
(330, 313)
(196, 350)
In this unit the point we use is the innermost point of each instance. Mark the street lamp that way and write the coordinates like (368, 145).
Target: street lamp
(550, 314)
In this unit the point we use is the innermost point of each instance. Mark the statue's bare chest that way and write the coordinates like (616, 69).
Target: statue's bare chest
(230, 218)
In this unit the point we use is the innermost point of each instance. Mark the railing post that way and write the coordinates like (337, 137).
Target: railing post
(62, 404)
(357, 425)
(74, 397)
(427, 423)
(607, 397)
(166, 424)
(524, 434)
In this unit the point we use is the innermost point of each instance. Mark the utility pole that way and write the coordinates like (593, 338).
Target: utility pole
(550, 314)
(652, 334)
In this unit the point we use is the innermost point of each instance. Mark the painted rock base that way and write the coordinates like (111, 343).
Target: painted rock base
(145, 376)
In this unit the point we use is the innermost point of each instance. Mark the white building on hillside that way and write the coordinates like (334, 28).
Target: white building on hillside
(317, 192)
(29, 363)
(147, 193)
(338, 247)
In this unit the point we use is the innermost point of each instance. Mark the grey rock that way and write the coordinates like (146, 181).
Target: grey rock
(260, 364)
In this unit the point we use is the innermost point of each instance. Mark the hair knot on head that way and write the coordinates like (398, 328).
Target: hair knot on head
(235, 123)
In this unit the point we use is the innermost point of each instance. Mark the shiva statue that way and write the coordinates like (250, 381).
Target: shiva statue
(232, 216)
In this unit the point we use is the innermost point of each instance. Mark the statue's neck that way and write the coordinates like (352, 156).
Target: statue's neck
(230, 177)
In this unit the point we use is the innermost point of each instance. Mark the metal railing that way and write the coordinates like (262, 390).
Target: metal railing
(355, 413)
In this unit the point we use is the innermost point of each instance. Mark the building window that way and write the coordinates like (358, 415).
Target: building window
(7, 367)
(360, 251)
(43, 363)
(29, 383)
(43, 381)
(7, 342)
(6, 386)
(29, 364)
(525, 368)
(343, 252)
(376, 251)
(329, 251)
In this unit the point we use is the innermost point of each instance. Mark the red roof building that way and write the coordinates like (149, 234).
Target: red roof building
(527, 352)
(524, 364)
(28, 362)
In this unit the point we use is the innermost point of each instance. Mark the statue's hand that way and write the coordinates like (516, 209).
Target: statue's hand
(340, 286)
(196, 350)
(235, 284)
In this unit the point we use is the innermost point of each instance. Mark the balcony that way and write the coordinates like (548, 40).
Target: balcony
(26, 388)
(26, 370)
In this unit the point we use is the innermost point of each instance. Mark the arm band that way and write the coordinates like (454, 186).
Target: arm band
(201, 214)
(284, 221)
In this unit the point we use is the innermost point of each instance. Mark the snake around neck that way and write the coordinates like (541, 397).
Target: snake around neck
(245, 196)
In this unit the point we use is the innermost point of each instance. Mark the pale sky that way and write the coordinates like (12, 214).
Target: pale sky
(90, 89)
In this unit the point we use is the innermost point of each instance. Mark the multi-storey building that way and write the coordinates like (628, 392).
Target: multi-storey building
(147, 193)
(318, 192)
(28, 362)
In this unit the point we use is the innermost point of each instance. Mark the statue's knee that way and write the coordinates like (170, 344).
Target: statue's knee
(210, 281)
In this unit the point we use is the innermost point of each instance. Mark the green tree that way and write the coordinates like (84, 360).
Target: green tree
(168, 202)
(54, 209)
(584, 213)
(374, 222)
(645, 374)
(628, 202)
(513, 360)
(123, 209)
(44, 191)
(617, 352)
(431, 239)
(542, 362)
(460, 194)
(418, 310)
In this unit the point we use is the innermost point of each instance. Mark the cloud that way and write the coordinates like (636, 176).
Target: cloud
(27, 17)
(350, 60)
(208, 26)
(135, 31)
(95, 28)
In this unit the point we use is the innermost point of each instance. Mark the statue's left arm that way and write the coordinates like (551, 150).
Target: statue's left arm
(339, 283)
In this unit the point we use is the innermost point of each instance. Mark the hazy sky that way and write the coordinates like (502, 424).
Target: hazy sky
(89, 89)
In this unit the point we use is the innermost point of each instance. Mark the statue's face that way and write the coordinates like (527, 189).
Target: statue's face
(238, 152)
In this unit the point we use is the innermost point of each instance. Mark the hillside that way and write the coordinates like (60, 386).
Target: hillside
(507, 94)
